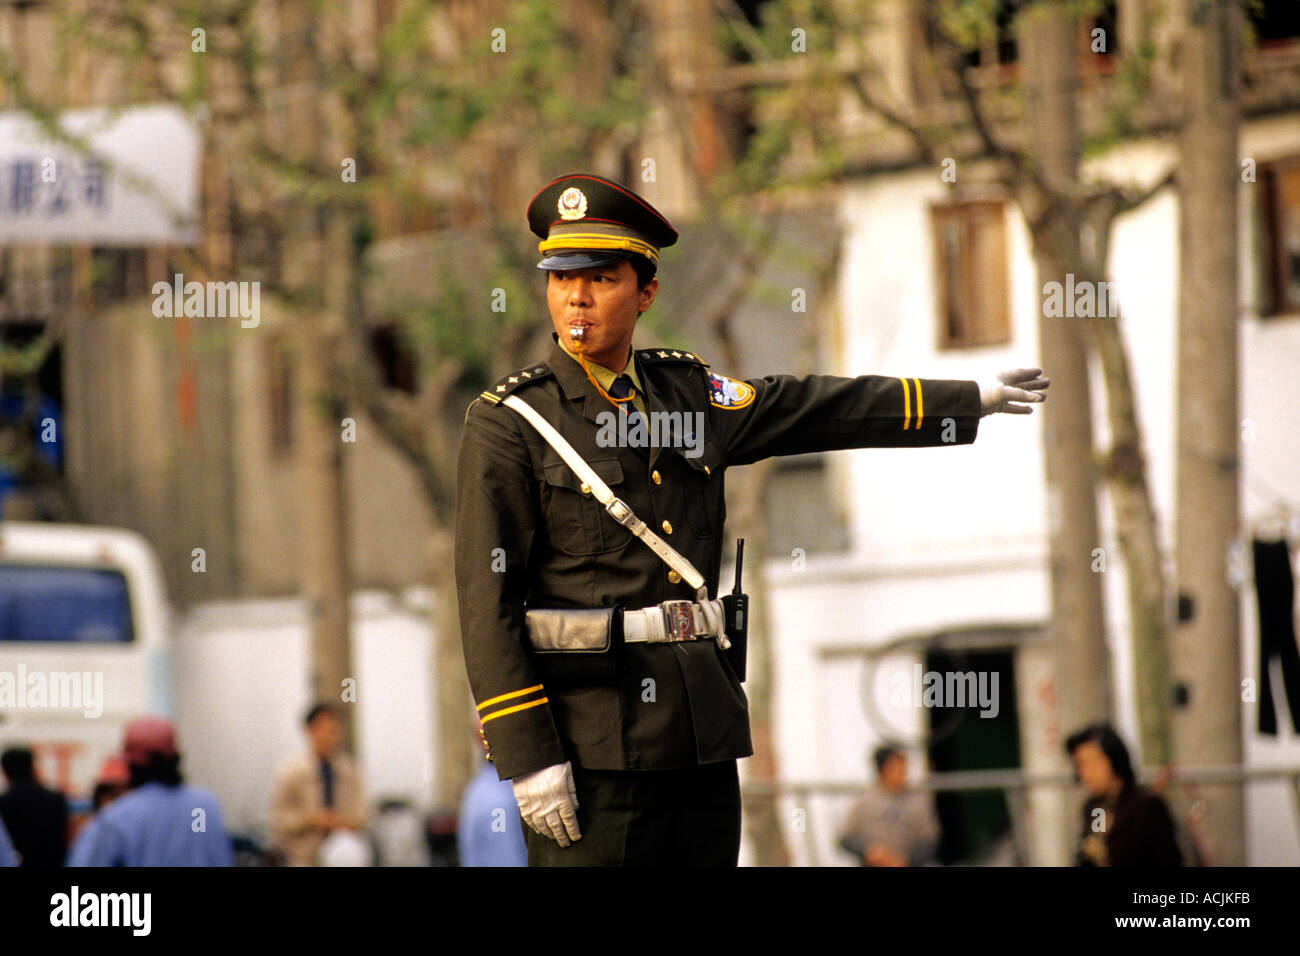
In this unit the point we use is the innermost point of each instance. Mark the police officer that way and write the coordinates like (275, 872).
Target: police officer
(587, 561)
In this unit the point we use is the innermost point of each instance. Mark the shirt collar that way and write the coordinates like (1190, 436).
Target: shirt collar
(603, 375)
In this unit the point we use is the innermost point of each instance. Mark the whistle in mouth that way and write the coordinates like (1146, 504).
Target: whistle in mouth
(576, 332)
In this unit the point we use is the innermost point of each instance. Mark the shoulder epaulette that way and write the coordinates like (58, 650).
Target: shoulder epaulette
(669, 355)
(514, 381)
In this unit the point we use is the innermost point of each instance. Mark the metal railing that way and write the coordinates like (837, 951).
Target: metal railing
(1016, 784)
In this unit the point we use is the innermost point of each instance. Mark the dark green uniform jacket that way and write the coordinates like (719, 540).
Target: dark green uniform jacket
(673, 704)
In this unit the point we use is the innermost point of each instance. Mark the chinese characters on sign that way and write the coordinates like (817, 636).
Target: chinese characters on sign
(134, 182)
(48, 187)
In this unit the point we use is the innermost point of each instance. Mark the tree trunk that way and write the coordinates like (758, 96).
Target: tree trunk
(763, 823)
(1208, 729)
(1058, 214)
(326, 271)
(1081, 687)
(1139, 541)
(458, 752)
(322, 544)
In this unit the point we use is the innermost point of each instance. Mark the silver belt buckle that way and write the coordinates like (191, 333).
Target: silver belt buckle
(679, 620)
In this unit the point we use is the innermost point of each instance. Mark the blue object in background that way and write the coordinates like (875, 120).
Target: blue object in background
(8, 856)
(11, 410)
(64, 604)
(489, 832)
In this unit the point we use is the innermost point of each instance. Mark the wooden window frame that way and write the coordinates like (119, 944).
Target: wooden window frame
(1271, 284)
(980, 330)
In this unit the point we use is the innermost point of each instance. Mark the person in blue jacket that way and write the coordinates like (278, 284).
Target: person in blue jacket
(162, 821)
(489, 831)
(8, 856)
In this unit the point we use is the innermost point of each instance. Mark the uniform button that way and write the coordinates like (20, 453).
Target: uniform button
(668, 528)
(654, 476)
(706, 470)
(586, 488)
(674, 577)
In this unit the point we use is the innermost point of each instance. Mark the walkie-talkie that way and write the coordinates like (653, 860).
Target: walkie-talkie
(736, 608)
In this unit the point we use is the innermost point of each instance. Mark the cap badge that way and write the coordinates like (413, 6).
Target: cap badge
(572, 204)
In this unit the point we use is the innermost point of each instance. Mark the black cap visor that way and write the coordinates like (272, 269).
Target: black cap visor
(579, 260)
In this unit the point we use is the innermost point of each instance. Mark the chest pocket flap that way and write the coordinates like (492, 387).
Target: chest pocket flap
(705, 506)
(707, 460)
(577, 522)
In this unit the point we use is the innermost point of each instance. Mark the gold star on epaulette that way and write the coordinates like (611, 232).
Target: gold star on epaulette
(516, 380)
(656, 355)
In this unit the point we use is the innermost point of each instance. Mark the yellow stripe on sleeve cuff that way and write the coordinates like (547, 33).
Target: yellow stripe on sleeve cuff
(510, 696)
(511, 710)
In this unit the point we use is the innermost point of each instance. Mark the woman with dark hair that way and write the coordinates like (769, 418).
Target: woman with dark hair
(1123, 823)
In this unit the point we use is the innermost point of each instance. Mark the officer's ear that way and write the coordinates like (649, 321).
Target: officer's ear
(648, 295)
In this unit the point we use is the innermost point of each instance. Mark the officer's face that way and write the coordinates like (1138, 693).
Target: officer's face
(606, 301)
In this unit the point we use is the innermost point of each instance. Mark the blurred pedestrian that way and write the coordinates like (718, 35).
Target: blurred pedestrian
(489, 831)
(161, 820)
(114, 780)
(318, 794)
(891, 825)
(1124, 825)
(35, 816)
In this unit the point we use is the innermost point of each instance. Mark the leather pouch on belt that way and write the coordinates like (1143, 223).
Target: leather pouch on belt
(575, 647)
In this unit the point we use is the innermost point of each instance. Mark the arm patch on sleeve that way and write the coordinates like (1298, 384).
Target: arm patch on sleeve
(728, 393)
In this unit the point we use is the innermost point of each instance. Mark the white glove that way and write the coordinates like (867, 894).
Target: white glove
(1016, 385)
(548, 802)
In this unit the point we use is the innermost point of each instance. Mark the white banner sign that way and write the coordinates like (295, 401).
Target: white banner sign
(136, 184)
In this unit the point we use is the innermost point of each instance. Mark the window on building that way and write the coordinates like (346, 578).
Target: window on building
(999, 51)
(64, 604)
(1100, 49)
(118, 274)
(1276, 23)
(396, 360)
(1279, 237)
(970, 256)
(280, 392)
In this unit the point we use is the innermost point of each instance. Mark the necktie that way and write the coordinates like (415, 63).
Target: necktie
(622, 388)
(327, 781)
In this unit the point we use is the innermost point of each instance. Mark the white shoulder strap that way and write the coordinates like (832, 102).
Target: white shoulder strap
(616, 507)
